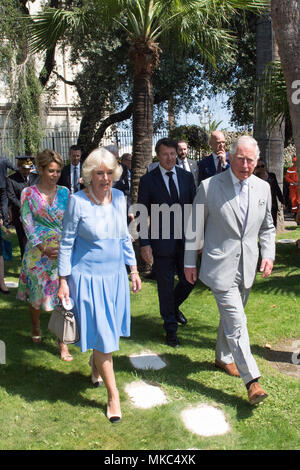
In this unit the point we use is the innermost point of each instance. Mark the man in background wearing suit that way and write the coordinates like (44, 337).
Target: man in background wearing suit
(217, 161)
(71, 173)
(186, 163)
(237, 212)
(124, 183)
(15, 184)
(170, 186)
(5, 163)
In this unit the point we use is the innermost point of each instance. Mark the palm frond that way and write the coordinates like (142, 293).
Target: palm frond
(271, 95)
(50, 26)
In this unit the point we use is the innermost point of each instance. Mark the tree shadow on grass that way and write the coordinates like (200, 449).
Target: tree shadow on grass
(287, 284)
(37, 378)
(146, 329)
(38, 383)
(34, 382)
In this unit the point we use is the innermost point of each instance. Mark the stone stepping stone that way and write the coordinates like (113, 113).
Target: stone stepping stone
(11, 284)
(145, 396)
(205, 420)
(147, 360)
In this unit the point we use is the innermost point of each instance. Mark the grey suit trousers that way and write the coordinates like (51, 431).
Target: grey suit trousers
(233, 339)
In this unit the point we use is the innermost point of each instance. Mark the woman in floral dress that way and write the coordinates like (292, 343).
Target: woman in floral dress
(42, 210)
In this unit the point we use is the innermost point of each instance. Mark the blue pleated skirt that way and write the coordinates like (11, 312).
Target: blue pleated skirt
(99, 287)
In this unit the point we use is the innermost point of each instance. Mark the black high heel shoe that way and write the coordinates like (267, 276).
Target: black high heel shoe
(113, 418)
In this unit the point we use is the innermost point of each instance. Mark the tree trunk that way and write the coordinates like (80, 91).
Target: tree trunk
(271, 142)
(286, 23)
(142, 113)
(171, 113)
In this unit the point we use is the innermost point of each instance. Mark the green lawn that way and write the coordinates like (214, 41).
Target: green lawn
(46, 403)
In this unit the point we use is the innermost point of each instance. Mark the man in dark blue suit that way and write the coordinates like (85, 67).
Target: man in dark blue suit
(167, 185)
(71, 173)
(15, 184)
(5, 163)
(216, 162)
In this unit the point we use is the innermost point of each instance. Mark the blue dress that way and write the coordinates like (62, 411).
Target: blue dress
(94, 250)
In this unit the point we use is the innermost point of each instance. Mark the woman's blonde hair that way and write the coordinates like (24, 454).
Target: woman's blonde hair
(94, 161)
(47, 156)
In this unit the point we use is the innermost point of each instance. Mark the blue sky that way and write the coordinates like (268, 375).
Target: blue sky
(217, 110)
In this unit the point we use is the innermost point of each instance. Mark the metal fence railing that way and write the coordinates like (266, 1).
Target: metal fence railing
(60, 141)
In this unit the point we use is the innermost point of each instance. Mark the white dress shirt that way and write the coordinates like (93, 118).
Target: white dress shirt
(236, 184)
(184, 164)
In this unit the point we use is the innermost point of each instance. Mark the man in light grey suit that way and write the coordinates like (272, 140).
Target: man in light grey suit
(237, 212)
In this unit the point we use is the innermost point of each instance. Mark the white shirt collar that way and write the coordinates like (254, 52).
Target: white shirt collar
(164, 171)
(235, 180)
(73, 166)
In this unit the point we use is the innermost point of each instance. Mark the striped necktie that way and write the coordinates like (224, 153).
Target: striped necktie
(75, 179)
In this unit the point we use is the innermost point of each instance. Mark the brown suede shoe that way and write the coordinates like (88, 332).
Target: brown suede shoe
(230, 369)
(256, 394)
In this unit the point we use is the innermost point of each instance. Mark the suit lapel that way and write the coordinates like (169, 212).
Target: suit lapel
(228, 190)
(156, 173)
(181, 185)
(251, 203)
(211, 166)
(69, 180)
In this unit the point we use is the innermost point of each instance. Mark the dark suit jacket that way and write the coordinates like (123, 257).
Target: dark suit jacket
(65, 177)
(152, 190)
(5, 163)
(275, 191)
(14, 186)
(123, 185)
(207, 168)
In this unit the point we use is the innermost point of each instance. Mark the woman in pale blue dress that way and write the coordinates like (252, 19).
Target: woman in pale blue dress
(94, 251)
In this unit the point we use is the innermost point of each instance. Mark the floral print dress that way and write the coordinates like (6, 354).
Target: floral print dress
(38, 283)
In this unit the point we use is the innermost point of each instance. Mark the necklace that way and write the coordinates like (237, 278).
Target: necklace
(96, 199)
(47, 194)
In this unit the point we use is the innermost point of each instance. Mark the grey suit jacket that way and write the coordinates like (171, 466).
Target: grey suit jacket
(221, 234)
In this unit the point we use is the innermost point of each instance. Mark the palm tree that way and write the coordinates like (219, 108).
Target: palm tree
(269, 125)
(192, 22)
(286, 23)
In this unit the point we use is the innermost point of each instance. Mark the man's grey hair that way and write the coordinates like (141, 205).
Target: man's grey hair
(244, 139)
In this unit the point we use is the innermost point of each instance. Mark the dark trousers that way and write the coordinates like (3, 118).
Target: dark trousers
(274, 216)
(170, 297)
(22, 239)
(4, 206)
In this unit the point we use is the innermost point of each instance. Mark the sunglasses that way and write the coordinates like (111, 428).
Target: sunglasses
(260, 166)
